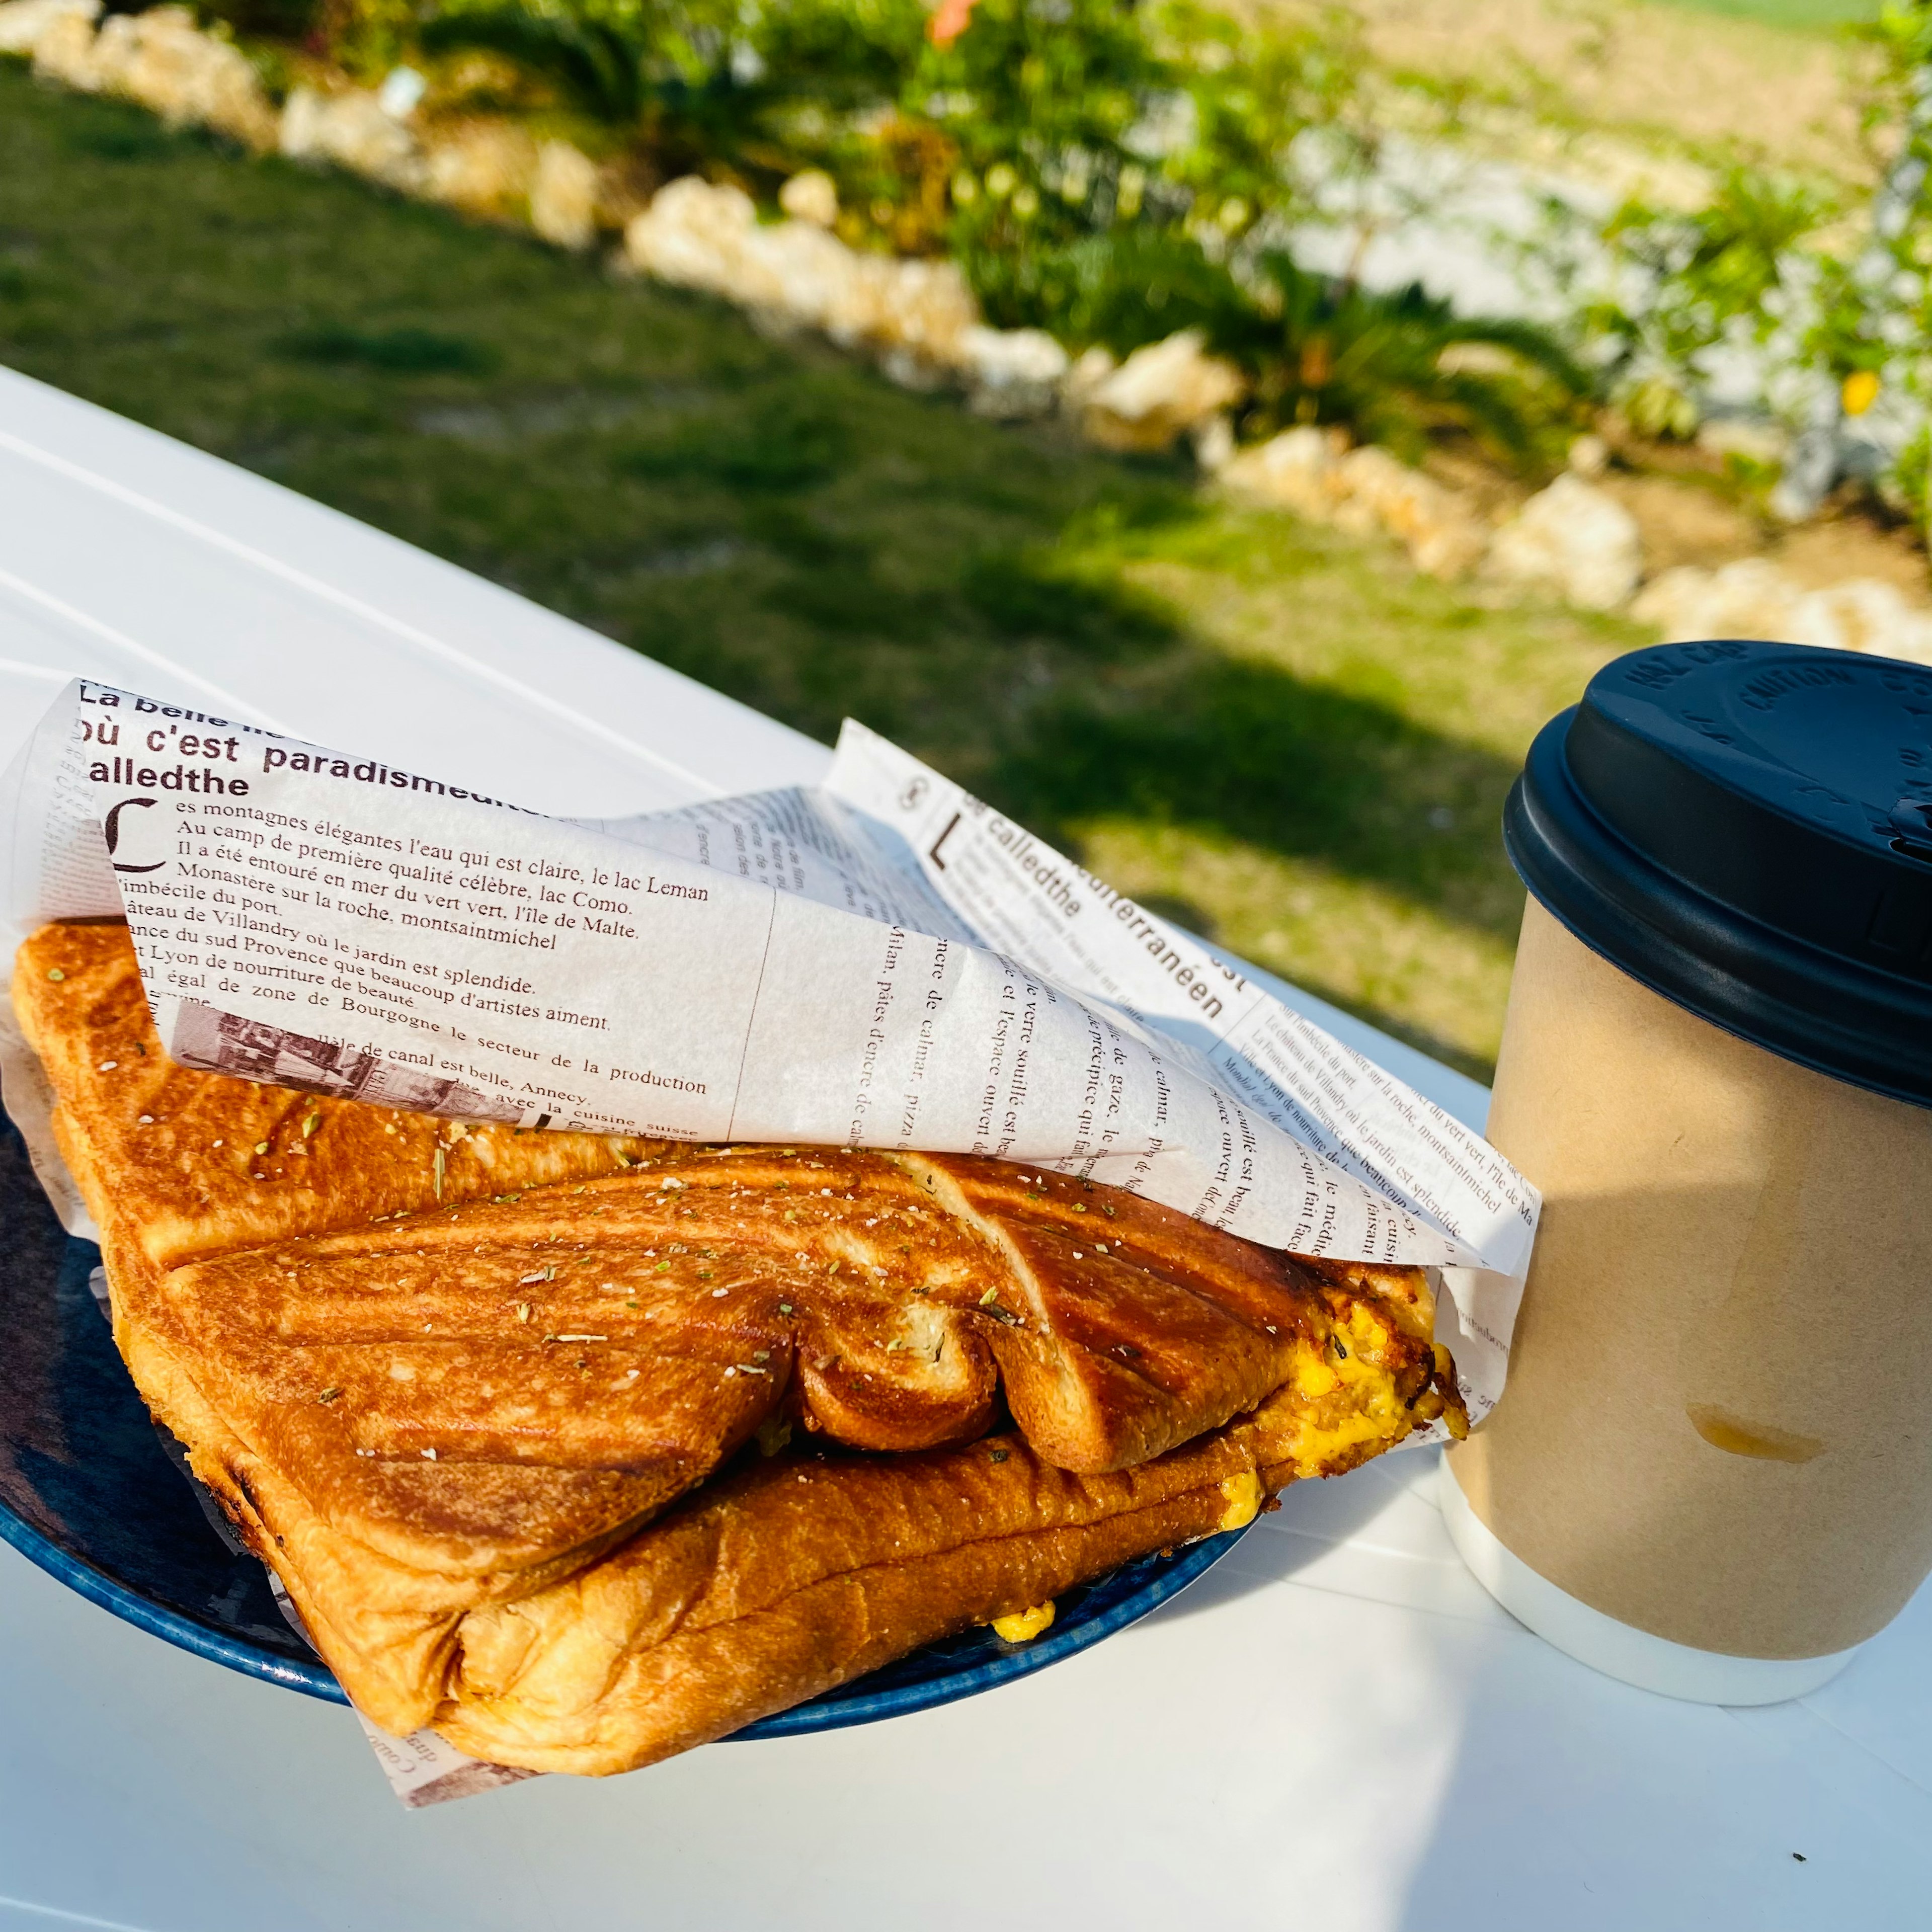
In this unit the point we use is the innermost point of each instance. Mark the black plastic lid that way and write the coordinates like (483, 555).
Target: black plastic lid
(1746, 829)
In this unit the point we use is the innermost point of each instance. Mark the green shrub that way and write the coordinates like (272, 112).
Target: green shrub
(1394, 367)
(1101, 143)
(1110, 170)
(1737, 266)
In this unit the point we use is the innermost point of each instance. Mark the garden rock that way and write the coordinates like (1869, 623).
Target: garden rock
(697, 235)
(1295, 471)
(1090, 369)
(690, 235)
(920, 311)
(1376, 491)
(1213, 441)
(484, 167)
(811, 197)
(810, 279)
(914, 314)
(1589, 457)
(23, 21)
(351, 130)
(1753, 598)
(401, 92)
(563, 197)
(161, 60)
(1575, 539)
(1011, 374)
(1159, 393)
(1749, 599)
(1365, 491)
(64, 51)
(932, 306)
(1864, 614)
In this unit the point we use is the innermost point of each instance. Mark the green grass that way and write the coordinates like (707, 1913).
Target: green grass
(1281, 736)
(1801, 14)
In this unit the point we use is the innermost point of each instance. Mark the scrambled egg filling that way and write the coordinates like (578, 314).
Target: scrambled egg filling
(1346, 1397)
(1023, 1626)
(1243, 1493)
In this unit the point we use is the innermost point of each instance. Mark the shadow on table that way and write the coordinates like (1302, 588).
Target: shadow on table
(1551, 1799)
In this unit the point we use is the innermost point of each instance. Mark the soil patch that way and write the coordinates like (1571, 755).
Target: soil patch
(1834, 548)
(1720, 85)
(1681, 523)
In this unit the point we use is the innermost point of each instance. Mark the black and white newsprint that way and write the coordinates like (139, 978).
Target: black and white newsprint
(884, 962)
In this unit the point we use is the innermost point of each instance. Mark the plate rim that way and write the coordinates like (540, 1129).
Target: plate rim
(174, 1627)
(317, 1680)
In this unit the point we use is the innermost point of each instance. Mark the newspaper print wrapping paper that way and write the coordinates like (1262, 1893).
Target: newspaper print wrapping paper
(884, 962)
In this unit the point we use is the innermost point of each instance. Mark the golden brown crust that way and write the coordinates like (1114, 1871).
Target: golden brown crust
(1130, 1328)
(444, 1377)
(791, 1578)
(796, 1578)
(181, 1164)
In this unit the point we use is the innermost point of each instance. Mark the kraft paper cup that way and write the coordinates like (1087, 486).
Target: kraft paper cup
(1716, 1428)
(1710, 1472)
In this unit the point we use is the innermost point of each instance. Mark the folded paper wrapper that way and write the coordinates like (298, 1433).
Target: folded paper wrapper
(885, 962)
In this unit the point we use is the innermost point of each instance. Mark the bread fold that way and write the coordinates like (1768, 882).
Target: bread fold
(791, 1579)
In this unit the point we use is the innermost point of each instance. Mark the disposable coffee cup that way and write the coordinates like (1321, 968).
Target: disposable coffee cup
(1710, 1470)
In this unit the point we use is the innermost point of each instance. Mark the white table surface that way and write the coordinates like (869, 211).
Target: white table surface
(1336, 1728)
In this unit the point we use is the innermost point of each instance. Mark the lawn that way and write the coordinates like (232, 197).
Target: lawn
(1279, 735)
(1799, 14)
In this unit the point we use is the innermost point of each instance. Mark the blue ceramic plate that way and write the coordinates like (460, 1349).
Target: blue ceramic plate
(92, 1492)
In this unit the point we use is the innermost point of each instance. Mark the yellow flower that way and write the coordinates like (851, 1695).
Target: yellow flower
(1860, 392)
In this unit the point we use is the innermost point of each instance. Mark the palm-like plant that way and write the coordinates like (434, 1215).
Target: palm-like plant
(596, 67)
(698, 80)
(668, 75)
(1393, 366)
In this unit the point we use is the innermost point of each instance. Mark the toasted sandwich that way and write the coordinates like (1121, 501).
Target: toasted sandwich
(584, 1450)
